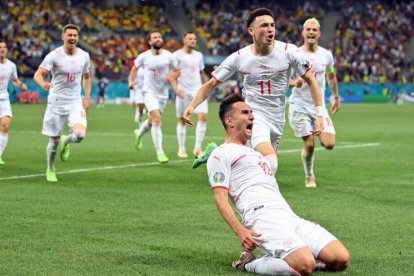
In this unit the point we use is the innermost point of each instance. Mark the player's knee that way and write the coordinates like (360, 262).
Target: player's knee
(4, 127)
(306, 266)
(202, 117)
(79, 135)
(328, 146)
(342, 261)
(156, 122)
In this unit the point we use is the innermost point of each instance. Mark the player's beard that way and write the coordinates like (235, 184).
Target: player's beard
(157, 46)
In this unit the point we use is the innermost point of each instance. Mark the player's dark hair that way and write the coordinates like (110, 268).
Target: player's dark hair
(227, 104)
(71, 27)
(251, 16)
(152, 32)
(187, 33)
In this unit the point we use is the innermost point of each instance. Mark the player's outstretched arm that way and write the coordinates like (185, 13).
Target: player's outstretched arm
(39, 78)
(317, 100)
(201, 95)
(246, 236)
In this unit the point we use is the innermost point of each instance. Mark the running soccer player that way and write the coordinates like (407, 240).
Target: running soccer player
(136, 97)
(302, 113)
(70, 68)
(291, 245)
(191, 77)
(8, 72)
(157, 63)
(267, 66)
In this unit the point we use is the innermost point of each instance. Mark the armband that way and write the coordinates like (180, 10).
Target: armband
(330, 70)
(319, 110)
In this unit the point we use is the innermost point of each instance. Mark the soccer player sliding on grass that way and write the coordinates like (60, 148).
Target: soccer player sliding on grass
(291, 245)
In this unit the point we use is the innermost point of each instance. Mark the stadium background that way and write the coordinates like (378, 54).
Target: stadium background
(372, 41)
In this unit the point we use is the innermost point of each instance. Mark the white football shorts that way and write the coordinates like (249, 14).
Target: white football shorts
(136, 96)
(264, 131)
(282, 232)
(56, 117)
(181, 105)
(154, 103)
(303, 122)
(5, 108)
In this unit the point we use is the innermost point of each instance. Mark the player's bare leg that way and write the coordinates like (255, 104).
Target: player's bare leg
(333, 257)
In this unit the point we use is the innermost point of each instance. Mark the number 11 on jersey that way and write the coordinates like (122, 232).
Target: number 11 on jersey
(262, 87)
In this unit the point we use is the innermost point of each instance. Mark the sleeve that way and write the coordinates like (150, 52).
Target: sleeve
(202, 66)
(218, 169)
(14, 75)
(87, 66)
(139, 61)
(174, 62)
(331, 62)
(299, 63)
(226, 69)
(47, 63)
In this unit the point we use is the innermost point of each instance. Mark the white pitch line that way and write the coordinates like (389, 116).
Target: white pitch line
(106, 168)
(337, 147)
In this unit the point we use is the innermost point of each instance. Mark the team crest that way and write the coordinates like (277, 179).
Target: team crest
(218, 177)
(306, 64)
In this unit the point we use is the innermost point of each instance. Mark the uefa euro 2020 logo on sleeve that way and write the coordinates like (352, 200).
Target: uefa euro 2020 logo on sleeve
(218, 177)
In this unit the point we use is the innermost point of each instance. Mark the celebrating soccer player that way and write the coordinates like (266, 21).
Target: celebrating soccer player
(70, 68)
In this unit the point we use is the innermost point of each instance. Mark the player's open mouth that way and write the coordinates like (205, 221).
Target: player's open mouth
(72, 41)
(250, 127)
(270, 37)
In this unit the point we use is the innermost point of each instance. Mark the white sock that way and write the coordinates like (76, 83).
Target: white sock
(157, 138)
(307, 160)
(51, 150)
(4, 138)
(181, 132)
(270, 266)
(143, 128)
(272, 158)
(137, 115)
(200, 133)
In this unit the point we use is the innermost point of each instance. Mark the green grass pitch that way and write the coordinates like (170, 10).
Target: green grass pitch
(115, 211)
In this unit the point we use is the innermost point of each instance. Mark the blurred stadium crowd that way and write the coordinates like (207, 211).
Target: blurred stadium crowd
(370, 39)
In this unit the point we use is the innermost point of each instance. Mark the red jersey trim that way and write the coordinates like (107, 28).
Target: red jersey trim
(306, 71)
(216, 78)
(237, 160)
(219, 187)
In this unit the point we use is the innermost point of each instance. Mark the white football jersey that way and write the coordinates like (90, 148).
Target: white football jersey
(321, 60)
(247, 176)
(190, 66)
(8, 72)
(266, 78)
(67, 72)
(156, 69)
